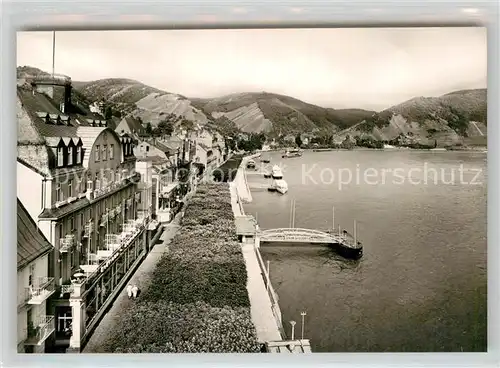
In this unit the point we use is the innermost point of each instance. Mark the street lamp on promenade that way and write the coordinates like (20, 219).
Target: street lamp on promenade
(303, 315)
(293, 329)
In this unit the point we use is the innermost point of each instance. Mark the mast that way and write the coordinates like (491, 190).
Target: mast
(355, 236)
(293, 214)
(333, 217)
(53, 53)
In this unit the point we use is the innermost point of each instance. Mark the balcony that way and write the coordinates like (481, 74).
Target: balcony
(37, 293)
(41, 329)
(66, 243)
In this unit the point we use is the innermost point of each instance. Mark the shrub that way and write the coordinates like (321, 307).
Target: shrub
(219, 283)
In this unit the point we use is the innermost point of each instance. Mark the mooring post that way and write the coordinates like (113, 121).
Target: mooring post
(303, 314)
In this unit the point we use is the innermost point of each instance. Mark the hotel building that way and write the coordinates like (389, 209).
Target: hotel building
(77, 180)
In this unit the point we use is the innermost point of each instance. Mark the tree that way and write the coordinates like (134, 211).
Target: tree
(108, 113)
(298, 141)
(149, 129)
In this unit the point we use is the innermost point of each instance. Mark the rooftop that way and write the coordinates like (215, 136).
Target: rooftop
(245, 225)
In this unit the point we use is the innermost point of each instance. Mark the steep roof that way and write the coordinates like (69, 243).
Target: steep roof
(31, 243)
(133, 124)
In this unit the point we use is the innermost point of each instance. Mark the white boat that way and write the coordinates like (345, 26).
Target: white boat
(281, 186)
(292, 153)
(388, 146)
(437, 149)
(276, 173)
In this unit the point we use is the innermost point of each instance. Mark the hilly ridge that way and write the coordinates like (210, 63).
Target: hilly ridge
(454, 118)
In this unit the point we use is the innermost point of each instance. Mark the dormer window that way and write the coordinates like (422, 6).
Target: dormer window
(78, 155)
(111, 151)
(104, 152)
(97, 153)
(60, 156)
(70, 155)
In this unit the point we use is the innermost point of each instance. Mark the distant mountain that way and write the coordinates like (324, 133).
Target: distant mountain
(455, 118)
(270, 112)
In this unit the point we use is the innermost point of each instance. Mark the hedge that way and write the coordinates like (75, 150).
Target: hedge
(185, 328)
(197, 301)
(227, 172)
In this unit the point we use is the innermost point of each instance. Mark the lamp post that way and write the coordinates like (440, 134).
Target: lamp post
(293, 329)
(303, 315)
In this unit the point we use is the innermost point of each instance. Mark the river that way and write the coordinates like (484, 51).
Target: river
(422, 282)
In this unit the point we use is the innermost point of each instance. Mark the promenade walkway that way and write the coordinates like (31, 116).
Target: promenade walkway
(260, 304)
(142, 279)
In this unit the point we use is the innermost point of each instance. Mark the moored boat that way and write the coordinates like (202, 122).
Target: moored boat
(281, 186)
(346, 245)
(250, 164)
(292, 153)
(276, 172)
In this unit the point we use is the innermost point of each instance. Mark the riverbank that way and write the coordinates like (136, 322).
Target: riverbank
(265, 312)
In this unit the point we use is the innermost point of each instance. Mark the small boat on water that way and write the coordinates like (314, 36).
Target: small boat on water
(292, 153)
(250, 164)
(276, 172)
(279, 186)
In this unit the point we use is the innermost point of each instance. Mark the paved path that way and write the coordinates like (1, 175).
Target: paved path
(141, 278)
(261, 309)
(260, 303)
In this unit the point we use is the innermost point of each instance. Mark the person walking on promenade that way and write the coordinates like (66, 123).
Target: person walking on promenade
(129, 291)
(135, 289)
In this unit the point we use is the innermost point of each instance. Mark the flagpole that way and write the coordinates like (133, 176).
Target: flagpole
(53, 53)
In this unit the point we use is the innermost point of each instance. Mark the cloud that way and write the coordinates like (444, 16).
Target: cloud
(364, 68)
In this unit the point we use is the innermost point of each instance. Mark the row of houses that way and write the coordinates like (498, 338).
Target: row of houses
(90, 199)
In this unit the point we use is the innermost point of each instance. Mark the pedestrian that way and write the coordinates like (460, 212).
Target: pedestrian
(135, 289)
(129, 291)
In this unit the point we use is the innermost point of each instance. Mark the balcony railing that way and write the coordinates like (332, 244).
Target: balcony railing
(37, 293)
(42, 328)
(104, 219)
(66, 243)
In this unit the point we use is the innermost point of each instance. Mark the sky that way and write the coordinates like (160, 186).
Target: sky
(370, 68)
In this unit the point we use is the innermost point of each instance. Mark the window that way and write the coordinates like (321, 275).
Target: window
(71, 223)
(97, 182)
(60, 156)
(111, 151)
(70, 155)
(97, 152)
(82, 220)
(78, 155)
(31, 274)
(59, 195)
(70, 188)
(104, 151)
